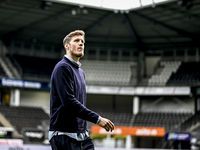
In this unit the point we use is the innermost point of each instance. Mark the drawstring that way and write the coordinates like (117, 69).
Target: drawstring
(81, 145)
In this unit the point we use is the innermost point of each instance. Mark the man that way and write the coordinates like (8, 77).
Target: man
(68, 113)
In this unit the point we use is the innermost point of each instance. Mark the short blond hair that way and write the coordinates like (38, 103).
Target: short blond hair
(68, 37)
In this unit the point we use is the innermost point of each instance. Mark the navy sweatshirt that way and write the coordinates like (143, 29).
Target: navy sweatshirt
(68, 112)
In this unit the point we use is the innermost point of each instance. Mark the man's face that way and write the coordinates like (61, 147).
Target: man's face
(75, 47)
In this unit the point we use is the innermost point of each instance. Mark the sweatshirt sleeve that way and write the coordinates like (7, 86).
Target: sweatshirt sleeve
(64, 84)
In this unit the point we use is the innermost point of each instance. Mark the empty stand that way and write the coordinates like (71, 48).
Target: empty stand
(171, 121)
(107, 72)
(119, 118)
(24, 117)
(35, 66)
(192, 120)
(1, 125)
(161, 79)
(187, 74)
(32, 117)
(2, 72)
(96, 72)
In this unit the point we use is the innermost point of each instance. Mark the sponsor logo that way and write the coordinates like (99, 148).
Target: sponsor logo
(11, 142)
(136, 131)
(178, 136)
(34, 134)
(20, 83)
(147, 132)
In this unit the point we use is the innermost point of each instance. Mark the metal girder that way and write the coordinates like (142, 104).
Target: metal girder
(98, 21)
(139, 43)
(179, 31)
(180, 12)
(1, 1)
(14, 33)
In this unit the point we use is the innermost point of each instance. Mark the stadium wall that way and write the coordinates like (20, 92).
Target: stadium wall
(167, 104)
(35, 98)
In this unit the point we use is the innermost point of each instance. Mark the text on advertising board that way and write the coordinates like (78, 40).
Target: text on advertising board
(135, 131)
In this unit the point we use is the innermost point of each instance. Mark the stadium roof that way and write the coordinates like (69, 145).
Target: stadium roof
(171, 24)
(123, 5)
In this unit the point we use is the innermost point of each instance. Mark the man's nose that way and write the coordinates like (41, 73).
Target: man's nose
(80, 43)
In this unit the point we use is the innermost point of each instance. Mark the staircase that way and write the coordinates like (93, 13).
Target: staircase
(163, 74)
(10, 70)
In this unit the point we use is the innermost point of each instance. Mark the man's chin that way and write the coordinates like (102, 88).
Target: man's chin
(80, 55)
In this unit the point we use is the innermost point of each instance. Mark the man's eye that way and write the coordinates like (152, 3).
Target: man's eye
(79, 41)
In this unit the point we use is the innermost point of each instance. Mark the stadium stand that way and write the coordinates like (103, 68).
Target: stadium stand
(168, 67)
(187, 74)
(1, 125)
(96, 72)
(23, 116)
(119, 118)
(2, 72)
(14, 66)
(99, 72)
(35, 67)
(107, 72)
(191, 121)
(170, 120)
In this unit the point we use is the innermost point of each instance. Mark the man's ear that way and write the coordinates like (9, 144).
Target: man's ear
(66, 46)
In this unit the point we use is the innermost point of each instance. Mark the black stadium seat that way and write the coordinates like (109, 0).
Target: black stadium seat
(24, 117)
(168, 120)
(187, 74)
(35, 66)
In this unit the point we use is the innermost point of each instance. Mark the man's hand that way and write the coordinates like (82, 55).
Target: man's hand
(106, 124)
